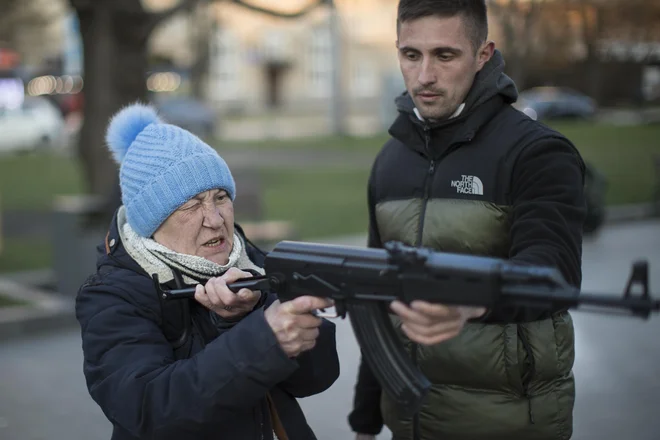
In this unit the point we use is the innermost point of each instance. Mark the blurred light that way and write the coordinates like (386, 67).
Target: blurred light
(50, 85)
(68, 84)
(11, 92)
(163, 82)
(59, 85)
(78, 84)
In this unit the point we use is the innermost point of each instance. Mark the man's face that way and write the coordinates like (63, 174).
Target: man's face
(203, 226)
(439, 63)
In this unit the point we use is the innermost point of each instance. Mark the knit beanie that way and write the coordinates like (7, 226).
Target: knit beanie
(162, 166)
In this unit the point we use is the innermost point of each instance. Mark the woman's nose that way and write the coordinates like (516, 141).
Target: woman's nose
(213, 217)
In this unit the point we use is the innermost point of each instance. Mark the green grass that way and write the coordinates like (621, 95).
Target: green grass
(24, 254)
(623, 154)
(6, 301)
(31, 181)
(321, 201)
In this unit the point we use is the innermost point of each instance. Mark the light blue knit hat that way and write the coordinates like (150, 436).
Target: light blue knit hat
(161, 166)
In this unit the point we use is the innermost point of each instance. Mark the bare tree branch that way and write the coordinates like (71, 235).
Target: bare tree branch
(273, 13)
(80, 5)
(24, 24)
(183, 6)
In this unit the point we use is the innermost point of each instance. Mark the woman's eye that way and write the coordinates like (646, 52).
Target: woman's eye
(189, 207)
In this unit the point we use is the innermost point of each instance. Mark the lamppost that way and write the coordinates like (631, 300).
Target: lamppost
(336, 100)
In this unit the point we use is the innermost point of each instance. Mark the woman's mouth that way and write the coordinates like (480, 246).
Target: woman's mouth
(214, 243)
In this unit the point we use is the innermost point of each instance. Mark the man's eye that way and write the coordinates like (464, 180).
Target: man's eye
(446, 57)
(220, 197)
(412, 56)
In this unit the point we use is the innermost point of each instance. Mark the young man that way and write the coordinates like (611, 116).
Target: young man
(465, 172)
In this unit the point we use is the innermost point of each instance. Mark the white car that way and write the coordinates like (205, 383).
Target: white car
(35, 125)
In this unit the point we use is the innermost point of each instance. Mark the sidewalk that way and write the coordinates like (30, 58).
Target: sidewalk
(617, 386)
(46, 311)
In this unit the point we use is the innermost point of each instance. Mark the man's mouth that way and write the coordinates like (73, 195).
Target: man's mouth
(214, 242)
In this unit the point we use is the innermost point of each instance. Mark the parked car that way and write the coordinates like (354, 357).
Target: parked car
(544, 103)
(34, 125)
(191, 114)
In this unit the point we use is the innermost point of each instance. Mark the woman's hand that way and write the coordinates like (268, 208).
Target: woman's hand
(216, 296)
(294, 324)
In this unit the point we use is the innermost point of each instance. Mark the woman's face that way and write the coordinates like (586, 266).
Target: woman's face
(203, 226)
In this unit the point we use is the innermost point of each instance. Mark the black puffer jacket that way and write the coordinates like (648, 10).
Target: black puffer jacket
(490, 182)
(211, 385)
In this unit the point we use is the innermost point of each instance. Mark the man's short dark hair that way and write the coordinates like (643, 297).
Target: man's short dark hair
(474, 13)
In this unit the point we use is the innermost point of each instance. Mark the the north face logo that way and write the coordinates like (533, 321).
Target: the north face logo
(469, 185)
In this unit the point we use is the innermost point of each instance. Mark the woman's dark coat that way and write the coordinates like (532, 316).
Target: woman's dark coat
(153, 381)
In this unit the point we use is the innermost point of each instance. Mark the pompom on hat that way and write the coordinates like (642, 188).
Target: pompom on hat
(162, 166)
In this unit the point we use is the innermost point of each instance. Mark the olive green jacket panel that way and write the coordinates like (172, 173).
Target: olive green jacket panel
(450, 225)
(477, 377)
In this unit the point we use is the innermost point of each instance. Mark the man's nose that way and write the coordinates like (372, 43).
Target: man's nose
(427, 74)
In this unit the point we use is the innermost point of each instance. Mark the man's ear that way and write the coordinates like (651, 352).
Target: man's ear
(485, 53)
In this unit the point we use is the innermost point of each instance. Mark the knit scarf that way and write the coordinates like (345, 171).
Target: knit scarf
(155, 258)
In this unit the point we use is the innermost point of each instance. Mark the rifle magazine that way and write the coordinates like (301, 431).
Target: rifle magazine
(386, 356)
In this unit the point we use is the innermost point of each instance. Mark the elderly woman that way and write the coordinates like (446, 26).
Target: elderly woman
(221, 366)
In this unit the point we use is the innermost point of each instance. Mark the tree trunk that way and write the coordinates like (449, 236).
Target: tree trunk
(114, 36)
(592, 32)
(200, 37)
(115, 63)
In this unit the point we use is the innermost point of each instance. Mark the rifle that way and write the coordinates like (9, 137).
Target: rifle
(363, 281)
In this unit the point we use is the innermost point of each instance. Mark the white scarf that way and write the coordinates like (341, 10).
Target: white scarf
(155, 258)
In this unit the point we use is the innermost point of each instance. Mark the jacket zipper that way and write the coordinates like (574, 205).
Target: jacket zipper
(422, 215)
(431, 171)
(532, 371)
(427, 194)
(427, 186)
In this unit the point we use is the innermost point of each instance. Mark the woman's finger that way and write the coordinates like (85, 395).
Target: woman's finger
(201, 296)
(234, 274)
(248, 296)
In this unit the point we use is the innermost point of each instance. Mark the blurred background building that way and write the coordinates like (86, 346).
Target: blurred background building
(257, 62)
(222, 60)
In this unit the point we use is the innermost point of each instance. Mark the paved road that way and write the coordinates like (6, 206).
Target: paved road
(42, 393)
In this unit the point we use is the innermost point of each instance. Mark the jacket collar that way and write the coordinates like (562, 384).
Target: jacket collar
(112, 251)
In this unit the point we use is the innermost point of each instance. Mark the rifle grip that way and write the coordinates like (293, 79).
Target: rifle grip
(386, 356)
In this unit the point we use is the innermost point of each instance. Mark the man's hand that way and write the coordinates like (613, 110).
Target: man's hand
(293, 323)
(216, 296)
(430, 324)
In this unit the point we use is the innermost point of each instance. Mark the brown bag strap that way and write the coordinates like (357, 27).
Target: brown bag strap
(107, 245)
(278, 428)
